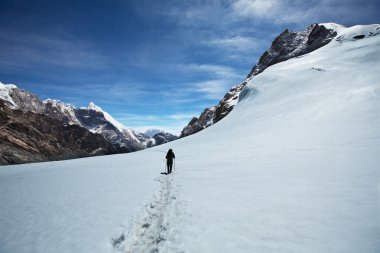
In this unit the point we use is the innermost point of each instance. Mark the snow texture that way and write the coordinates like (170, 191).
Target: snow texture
(293, 168)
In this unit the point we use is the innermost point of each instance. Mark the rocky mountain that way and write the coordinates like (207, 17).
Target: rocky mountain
(159, 138)
(92, 118)
(96, 120)
(61, 111)
(20, 99)
(285, 46)
(292, 44)
(27, 136)
(151, 132)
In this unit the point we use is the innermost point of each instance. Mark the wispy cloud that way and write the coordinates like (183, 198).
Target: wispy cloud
(211, 69)
(301, 12)
(278, 11)
(213, 89)
(31, 50)
(119, 93)
(235, 43)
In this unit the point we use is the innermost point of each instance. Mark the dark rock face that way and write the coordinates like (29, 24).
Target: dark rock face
(213, 114)
(32, 137)
(161, 138)
(286, 46)
(292, 44)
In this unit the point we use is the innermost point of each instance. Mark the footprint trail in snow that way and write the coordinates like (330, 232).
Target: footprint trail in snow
(153, 230)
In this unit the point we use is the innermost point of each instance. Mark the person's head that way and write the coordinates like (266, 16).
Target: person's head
(170, 150)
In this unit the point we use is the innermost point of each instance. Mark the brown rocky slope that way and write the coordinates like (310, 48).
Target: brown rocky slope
(32, 137)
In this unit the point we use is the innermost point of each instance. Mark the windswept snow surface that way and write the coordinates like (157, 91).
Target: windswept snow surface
(293, 168)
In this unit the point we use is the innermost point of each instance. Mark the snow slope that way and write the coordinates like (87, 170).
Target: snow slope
(293, 168)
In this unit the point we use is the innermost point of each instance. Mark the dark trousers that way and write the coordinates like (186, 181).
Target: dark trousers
(169, 164)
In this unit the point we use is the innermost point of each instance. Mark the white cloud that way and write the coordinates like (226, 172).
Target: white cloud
(236, 43)
(257, 8)
(213, 89)
(182, 116)
(299, 11)
(21, 49)
(213, 70)
(276, 11)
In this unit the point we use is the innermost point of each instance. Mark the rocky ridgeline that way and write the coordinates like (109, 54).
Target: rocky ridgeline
(285, 46)
(86, 124)
(27, 136)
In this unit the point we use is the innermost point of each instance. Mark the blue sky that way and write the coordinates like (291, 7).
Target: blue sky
(150, 63)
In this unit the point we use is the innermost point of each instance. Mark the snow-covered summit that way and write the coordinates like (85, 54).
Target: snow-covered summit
(333, 26)
(117, 124)
(92, 106)
(290, 44)
(57, 102)
(151, 132)
(62, 111)
(16, 98)
(7, 86)
(5, 90)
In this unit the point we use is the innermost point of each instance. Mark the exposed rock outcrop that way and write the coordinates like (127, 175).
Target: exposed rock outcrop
(292, 44)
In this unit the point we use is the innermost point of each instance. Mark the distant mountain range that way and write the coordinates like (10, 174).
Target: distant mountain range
(92, 121)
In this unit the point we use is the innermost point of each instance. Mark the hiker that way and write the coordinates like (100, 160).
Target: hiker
(169, 160)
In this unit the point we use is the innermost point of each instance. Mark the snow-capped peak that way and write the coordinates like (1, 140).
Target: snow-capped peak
(93, 106)
(8, 86)
(333, 26)
(107, 116)
(151, 132)
(57, 102)
(5, 90)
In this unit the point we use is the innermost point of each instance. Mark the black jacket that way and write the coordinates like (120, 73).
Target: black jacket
(170, 155)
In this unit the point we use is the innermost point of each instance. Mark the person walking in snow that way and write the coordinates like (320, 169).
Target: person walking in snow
(169, 160)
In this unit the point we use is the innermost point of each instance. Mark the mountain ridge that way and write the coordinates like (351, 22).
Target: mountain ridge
(92, 118)
(285, 46)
